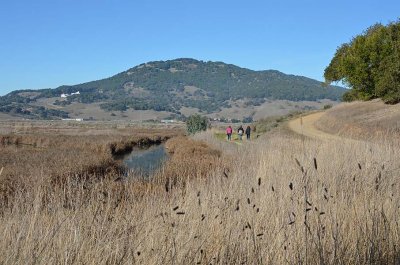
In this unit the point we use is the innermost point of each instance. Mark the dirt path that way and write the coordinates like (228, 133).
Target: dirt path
(305, 126)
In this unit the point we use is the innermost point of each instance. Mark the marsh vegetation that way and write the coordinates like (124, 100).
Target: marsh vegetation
(279, 199)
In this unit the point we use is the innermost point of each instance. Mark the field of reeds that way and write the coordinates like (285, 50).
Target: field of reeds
(278, 199)
(56, 153)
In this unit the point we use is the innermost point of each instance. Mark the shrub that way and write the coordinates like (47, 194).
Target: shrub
(196, 123)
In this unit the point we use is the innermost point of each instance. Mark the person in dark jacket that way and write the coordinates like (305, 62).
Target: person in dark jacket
(248, 131)
(240, 132)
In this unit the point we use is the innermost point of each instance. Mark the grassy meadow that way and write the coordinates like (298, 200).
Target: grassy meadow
(278, 199)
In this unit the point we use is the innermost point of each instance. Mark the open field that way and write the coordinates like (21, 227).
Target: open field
(279, 199)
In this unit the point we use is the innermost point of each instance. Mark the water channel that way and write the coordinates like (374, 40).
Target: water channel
(144, 161)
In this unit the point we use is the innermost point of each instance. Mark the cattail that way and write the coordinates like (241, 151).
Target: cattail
(203, 217)
(167, 185)
(180, 213)
(359, 166)
(252, 190)
(291, 186)
(248, 200)
(261, 234)
(315, 163)
(292, 222)
(309, 203)
(248, 225)
(259, 181)
(175, 208)
(297, 162)
(321, 213)
(273, 189)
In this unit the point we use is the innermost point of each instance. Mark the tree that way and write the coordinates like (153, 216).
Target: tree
(369, 64)
(196, 123)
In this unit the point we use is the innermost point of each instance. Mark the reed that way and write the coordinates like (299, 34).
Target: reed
(277, 200)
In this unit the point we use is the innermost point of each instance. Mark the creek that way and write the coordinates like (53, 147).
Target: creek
(144, 161)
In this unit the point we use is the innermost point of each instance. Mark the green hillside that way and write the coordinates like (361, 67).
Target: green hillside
(171, 85)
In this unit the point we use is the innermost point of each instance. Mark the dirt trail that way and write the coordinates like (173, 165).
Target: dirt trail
(305, 126)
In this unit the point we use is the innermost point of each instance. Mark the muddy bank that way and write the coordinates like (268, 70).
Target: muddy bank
(124, 147)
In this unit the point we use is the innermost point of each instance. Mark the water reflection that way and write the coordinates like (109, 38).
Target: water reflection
(144, 162)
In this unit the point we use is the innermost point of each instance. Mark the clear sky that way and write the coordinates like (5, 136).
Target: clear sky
(48, 43)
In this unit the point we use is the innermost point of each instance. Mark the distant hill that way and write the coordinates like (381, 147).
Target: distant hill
(171, 86)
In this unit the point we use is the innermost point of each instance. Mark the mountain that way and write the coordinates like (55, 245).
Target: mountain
(170, 86)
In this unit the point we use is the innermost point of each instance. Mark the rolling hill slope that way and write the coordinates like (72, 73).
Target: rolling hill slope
(170, 86)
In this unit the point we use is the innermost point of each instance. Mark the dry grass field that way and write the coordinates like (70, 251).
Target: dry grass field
(280, 199)
(363, 120)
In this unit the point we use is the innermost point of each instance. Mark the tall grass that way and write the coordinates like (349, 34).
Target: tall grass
(281, 200)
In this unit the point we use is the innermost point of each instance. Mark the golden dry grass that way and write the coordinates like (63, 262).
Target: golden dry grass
(363, 120)
(284, 200)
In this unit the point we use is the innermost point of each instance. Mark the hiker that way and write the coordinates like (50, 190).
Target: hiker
(240, 132)
(229, 132)
(248, 130)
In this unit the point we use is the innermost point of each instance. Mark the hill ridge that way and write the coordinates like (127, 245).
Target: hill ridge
(172, 85)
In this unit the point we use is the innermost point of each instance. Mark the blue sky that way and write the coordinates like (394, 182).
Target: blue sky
(48, 43)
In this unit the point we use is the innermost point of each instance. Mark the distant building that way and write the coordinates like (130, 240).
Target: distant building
(77, 119)
(64, 95)
(167, 121)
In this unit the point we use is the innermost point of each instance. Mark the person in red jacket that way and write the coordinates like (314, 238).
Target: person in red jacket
(229, 132)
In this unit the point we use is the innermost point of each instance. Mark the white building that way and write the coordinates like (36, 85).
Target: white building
(64, 95)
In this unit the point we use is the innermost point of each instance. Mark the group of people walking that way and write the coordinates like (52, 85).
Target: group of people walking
(240, 132)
